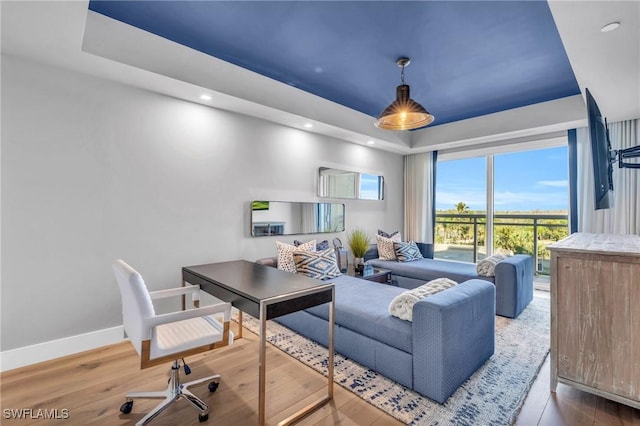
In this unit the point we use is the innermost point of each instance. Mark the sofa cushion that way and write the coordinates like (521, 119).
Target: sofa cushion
(402, 305)
(430, 269)
(368, 316)
(406, 251)
(385, 246)
(285, 254)
(317, 264)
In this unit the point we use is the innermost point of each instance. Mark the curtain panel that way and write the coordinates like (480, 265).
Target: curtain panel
(419, 197)
(624, 216)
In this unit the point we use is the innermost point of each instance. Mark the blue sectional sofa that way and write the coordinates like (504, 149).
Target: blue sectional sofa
(513, 277)
(451, 336)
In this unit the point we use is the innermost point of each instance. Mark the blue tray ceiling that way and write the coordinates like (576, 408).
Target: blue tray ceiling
(467, 58)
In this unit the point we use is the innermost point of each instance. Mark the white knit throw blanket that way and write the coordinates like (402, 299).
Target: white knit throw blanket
(402, 305)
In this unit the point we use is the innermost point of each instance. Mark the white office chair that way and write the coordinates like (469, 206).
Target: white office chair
(169, 337)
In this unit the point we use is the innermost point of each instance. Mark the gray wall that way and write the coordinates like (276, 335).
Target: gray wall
(93, 171)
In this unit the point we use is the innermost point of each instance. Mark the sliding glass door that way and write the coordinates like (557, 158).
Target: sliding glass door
(522, 196)
(461, 209)
(531, 201)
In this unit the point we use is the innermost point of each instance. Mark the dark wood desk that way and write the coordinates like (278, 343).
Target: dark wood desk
(266, 293)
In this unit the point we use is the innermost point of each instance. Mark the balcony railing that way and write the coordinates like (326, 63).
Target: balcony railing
(521, 233)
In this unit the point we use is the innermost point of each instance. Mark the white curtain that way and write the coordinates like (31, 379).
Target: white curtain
(309, 218)
(418, 197)
(624, 216)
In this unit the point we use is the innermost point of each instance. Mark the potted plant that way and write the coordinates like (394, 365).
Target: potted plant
(358, 242)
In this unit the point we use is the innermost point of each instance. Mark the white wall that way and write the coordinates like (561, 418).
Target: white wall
(93, 170)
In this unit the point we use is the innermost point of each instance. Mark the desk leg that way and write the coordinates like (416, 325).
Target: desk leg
(184, 297)
(239, 335)
(315, 405)
(332, 308)
(261, 364)
(196, 303)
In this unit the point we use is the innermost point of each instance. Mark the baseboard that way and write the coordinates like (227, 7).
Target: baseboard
(27, 355)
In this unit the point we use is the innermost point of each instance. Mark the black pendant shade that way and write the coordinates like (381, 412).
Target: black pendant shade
(404, 113)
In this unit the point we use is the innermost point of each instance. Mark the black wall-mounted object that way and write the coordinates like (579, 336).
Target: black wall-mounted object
(601, 153)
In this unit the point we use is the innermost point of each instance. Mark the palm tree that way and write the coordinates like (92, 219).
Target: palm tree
(462, 208)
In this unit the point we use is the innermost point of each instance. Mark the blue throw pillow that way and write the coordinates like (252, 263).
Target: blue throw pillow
(317, 264)
(407, 251)
(387, 235)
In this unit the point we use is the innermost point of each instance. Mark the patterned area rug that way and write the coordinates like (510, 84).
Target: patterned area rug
(492, 396)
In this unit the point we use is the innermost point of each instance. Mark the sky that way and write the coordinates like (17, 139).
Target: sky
(369, 186)
(524, 181)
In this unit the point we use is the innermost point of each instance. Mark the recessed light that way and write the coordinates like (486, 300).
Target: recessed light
(308, 125)
(610, 27)
(206, 97)
(371, 142)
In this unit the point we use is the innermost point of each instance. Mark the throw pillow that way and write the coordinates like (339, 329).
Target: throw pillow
(322, 245)
(285, 254)
(407, 252)
(487, 266)
(391, 235)
(385, 247)
(317, 264)
(402, 305)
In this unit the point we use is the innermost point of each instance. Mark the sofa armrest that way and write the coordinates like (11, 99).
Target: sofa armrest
(453, 335)
(426, 249)
(514, 285)
(372, 253)
(269, 261)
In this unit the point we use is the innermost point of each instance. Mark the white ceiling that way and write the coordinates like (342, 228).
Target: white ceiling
(66, 34)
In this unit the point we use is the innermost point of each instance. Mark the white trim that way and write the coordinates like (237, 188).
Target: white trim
(489, 227)
(549, 140)
(27, 355)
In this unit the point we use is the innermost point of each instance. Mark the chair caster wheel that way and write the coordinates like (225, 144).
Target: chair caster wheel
(213, 386)
(126, 407)
(202, 418)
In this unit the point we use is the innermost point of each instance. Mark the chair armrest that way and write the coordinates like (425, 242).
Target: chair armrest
(149, 323)
(177, 291)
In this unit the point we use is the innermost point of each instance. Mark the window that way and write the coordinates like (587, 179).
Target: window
(531, 198)
(461, 209)
(527, 196)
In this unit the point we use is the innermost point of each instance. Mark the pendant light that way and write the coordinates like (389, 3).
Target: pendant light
(404, 113)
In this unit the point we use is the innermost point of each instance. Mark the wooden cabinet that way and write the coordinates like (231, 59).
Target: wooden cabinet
(595, 315)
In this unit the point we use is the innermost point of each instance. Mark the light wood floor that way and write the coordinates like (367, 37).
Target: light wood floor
(91, 386)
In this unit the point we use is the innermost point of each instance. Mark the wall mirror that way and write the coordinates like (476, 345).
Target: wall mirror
(289, 218)
(334, 183)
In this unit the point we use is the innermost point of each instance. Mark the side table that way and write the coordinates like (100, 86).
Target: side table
(370, 273)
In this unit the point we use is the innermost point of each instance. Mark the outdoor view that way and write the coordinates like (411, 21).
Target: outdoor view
(530, 196)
